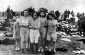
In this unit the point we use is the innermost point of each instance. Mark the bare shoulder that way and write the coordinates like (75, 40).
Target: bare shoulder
(38, 19)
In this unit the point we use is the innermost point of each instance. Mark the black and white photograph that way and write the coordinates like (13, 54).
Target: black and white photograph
(42, 27)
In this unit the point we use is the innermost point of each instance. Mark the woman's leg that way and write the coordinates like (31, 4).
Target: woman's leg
(37, 35)
(27, 37)
(18, 44)
(39, 44)
(26, 40)
(43, 38)
(32, 40)
(54, 39)
(22, 40)
(48, 41)
(32, 47)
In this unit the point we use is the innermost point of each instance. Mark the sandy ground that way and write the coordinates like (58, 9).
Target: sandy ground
(9, 50)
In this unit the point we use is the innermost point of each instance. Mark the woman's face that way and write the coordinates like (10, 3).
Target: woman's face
(25, 13)
(34, 16)
(50, 17)
(42, 14)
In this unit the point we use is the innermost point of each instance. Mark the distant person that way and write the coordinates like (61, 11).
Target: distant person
(72, 19)
(65, 15)
(68, 13)
(9, 14)
(57, 14)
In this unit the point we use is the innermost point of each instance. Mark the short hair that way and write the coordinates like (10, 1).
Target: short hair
(22, 13)
(43, 12)
(57, 13)
(36, 14)
(50, 14)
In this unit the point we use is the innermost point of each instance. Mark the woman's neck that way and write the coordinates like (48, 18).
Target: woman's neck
(42, 17)
(25, 16)
(34, 18)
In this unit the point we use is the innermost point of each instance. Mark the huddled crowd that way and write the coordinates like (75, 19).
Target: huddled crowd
(38, 31)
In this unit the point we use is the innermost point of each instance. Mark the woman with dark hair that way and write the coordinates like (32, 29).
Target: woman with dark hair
(42, 14)
(49, 16)
(43, 29)
(34, 32)
(58, 19)
(8, 13)
(51, 32)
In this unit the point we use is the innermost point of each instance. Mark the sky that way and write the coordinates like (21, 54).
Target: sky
(61, 5)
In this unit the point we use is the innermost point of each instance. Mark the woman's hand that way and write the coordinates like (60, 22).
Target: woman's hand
(31, 27)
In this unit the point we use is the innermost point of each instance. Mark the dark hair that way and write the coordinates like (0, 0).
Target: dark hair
(43, 12)
(50, 14)
(22, 13)
(36, 14)
(57, 13)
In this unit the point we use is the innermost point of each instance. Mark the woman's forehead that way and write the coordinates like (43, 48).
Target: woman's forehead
(34, 14)
(25, 11)
(41, 12)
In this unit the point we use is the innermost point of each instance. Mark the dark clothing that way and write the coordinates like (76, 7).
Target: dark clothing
(65, 16)
(57, 14)
(9, 14)
(68, 13)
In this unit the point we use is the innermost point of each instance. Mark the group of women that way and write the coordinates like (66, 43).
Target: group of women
(35, 33)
